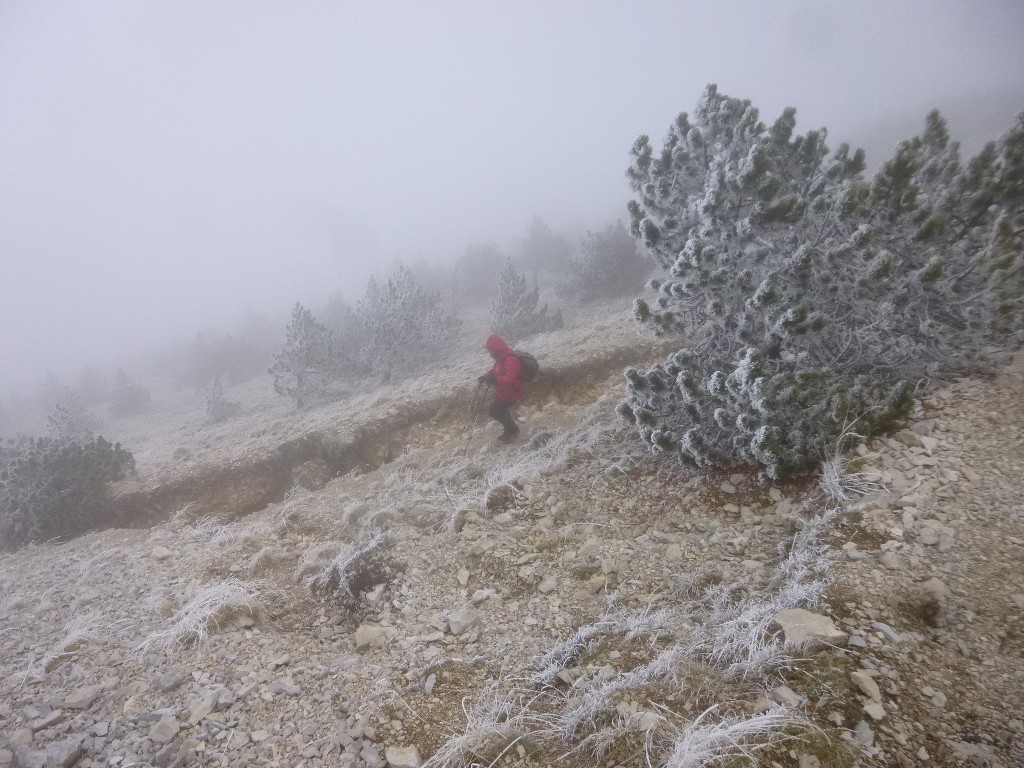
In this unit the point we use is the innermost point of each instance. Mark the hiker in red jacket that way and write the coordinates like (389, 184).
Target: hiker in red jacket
(508, 388)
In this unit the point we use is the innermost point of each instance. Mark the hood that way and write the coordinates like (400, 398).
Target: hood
(497, 346)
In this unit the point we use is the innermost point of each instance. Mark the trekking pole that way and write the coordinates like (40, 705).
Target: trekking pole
(476, 406)
(474, 413)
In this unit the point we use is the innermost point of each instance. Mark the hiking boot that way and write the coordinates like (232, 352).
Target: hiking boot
(509, 435)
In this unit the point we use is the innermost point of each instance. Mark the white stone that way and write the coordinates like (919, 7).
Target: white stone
(804, 629)
(402, 757)
(549, 584)
(786, 696)
(83, 697)
(461, 620)
(866, 685)
(874, 710)
(368, 636)
(164, 730)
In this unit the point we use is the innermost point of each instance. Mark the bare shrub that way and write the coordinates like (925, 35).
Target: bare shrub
(356, 569)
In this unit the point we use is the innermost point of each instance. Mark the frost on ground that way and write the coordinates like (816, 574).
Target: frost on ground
(541, 603)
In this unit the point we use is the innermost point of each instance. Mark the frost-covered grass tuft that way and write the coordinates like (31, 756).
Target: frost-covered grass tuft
(701, 743)
(213, 607)
(494, 725)
(265, 560)
(80, 630)
(628, 625)
(838, 481)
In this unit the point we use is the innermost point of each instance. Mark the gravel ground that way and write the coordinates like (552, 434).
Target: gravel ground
(566, 600)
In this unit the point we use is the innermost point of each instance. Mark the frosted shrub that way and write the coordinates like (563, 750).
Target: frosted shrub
(348, 336)
(610, 265)
(515, 315)
(816, 297)
(53, 488)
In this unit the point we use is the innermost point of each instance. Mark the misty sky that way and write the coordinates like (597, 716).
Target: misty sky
(163, 166)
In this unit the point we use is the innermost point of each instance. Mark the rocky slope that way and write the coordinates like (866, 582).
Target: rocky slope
(565, 600)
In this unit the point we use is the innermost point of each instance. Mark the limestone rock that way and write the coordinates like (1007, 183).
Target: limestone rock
(371, 757)
(83, 697)
(863, 735)
(368, 636)
(867, 685)
(402, 757)
(804, 629)
(461, 620)
(165, 729)
(874, 710)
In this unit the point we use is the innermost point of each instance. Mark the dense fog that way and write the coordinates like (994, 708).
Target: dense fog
(166, 168)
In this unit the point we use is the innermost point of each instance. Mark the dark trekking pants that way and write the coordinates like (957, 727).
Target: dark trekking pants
(501, 412)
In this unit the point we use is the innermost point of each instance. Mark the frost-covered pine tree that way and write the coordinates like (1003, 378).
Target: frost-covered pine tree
(405, 327)
(610, 264)
(349, 334)
(305, 366)
(816, 298)
(515, 314)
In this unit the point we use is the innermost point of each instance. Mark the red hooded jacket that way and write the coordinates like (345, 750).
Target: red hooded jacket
(505, 372)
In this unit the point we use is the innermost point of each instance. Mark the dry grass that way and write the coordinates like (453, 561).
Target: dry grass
(705, 741)
(497, 722)
(214, 607)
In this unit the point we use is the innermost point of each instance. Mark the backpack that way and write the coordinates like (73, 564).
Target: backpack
(529, 368)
